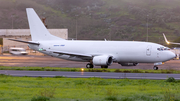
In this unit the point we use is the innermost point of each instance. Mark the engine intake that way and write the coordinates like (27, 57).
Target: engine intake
(102, 60)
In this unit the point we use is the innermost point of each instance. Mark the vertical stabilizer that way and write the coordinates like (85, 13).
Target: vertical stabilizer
(37, 28)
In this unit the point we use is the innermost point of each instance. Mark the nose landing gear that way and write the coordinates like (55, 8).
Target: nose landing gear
(156, 65)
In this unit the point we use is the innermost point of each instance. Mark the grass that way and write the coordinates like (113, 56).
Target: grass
(171, 71)
(86, 89)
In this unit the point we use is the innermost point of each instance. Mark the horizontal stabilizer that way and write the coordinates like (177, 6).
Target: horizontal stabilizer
(29, 42)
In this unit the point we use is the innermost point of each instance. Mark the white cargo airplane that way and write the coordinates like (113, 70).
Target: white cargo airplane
(99, 53)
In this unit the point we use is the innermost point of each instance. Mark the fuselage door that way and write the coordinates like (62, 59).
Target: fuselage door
(148, 50)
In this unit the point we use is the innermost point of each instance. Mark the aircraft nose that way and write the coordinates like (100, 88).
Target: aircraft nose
(171, 55)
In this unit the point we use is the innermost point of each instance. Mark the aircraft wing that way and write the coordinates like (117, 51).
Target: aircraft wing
(168, 41)
(29, 42)
(73, 54)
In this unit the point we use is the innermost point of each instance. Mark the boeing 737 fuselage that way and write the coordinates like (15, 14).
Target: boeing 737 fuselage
(99, 53)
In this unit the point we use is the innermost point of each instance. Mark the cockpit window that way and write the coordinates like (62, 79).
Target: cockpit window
(163, 48)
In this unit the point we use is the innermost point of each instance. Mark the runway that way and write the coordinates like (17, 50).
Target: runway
(90, 74)
(47, 61)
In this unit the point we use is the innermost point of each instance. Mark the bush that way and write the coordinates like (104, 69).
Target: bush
(2, 75)
(79, 82)
(95, 70)
(111, 98)
(48, 93)
(146, 72)
(127, 71)
(59, 77)
(141, 98)
(170, 79)
(40, 98)
(136, 71)
(117, 70)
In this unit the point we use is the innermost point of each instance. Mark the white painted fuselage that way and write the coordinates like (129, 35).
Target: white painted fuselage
(121, 51)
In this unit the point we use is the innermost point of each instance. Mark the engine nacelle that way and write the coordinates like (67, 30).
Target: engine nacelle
(128, 64)
(102, 60)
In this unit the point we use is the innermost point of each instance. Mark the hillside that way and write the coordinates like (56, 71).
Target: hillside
(99, 19)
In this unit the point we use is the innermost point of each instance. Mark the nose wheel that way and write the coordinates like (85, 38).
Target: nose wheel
(155, 68)
(89, 65)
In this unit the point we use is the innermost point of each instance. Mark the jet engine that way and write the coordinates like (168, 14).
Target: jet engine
(102, 60)
(128, 64)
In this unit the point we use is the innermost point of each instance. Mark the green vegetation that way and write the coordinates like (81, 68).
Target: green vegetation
(98, 19)
(88, 70)
(86, 89)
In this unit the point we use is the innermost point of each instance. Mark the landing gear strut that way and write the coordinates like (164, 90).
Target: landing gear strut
(89, 65)
(104, 66)
(155, 68)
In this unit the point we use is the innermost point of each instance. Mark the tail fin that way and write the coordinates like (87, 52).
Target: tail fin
(37, 28)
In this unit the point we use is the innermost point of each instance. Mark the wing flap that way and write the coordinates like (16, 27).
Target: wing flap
(73, 54)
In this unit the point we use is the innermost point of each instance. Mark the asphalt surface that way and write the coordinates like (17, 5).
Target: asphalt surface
(47, 61)
(90, 74)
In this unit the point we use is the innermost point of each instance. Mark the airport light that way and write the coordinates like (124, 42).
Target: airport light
(82, 69)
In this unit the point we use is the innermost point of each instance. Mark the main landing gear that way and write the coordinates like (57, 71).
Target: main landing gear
(155, 68)
(89, 65)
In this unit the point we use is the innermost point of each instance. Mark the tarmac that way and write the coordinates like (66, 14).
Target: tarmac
(48, 61)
